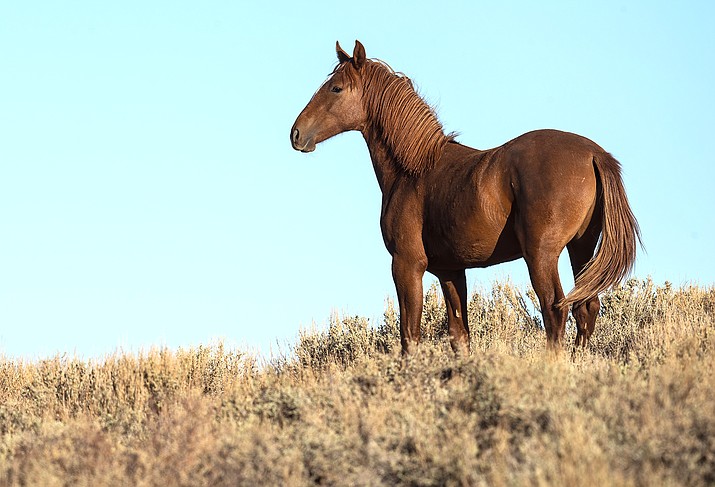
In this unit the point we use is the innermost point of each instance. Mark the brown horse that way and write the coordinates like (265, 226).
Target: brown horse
(447, 207)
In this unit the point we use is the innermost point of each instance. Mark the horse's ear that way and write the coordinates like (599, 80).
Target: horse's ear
(359, 55)
(342, 55)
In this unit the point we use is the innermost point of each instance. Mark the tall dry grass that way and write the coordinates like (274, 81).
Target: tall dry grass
(343, 408)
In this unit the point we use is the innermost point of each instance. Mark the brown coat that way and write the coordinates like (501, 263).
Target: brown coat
(447, 207)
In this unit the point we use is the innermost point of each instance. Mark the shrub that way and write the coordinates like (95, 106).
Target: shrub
(345, 408)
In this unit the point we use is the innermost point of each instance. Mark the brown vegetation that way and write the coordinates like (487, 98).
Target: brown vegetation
(343, 408)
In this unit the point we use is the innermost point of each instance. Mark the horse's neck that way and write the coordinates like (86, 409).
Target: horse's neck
(383, 162)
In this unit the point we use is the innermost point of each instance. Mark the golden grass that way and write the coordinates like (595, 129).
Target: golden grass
(343, 408)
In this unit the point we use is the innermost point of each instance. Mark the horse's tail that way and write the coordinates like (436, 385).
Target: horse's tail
(616, 252)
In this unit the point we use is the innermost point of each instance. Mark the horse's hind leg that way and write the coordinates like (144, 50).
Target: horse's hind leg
(454, 288)
(544, 273)
(584, 312)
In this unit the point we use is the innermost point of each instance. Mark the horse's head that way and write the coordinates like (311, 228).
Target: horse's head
(337, 105)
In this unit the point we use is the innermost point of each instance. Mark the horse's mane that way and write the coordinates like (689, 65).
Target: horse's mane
(405, 122)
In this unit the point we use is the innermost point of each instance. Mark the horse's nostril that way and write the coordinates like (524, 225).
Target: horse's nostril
(296, 133)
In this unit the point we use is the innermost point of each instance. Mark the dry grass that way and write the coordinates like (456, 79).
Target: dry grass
(343, 408)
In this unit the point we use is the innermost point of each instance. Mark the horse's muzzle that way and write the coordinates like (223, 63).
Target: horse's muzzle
(302, 144)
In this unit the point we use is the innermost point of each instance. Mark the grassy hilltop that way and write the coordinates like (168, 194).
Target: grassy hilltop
(343, 408)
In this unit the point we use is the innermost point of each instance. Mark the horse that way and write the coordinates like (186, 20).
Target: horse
(447, 207)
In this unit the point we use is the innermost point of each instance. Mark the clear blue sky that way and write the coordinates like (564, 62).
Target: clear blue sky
(149, 194)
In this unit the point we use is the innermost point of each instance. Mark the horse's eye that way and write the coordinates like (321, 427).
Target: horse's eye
(336, 89)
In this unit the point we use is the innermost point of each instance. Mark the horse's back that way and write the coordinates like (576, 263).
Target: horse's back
(549, 146)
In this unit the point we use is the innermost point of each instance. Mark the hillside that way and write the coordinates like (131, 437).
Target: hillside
(343, 408)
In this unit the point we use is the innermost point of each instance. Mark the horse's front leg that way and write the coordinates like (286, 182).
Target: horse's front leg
(407, 272)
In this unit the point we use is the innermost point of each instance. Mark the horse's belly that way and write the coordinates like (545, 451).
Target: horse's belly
(462, 246)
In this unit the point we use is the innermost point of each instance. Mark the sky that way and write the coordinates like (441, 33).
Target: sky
(150, 197)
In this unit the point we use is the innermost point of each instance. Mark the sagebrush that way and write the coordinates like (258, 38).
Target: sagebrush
(344, 408)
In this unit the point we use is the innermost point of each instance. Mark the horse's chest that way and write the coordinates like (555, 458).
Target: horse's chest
(401, 226)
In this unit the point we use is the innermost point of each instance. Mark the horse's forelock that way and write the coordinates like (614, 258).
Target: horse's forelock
(349, 71)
